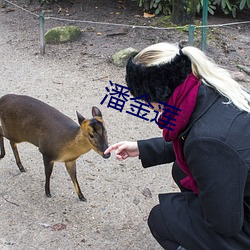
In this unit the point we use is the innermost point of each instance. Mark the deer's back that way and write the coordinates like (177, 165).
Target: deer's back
(24, 118)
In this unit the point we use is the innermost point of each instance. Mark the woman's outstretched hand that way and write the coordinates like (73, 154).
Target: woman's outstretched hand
(124, 150)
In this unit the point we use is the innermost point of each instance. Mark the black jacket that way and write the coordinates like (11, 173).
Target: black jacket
(216, 145)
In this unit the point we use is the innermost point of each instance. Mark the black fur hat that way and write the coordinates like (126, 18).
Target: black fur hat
(159, 81)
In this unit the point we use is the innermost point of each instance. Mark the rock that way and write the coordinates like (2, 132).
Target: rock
(45, 225)
(147, 193)
(121, 58)
(63, 34)
(244, 68)
(239, 76)
(136, 201)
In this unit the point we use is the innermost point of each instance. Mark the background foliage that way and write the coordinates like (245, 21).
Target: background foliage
(165, 6)
(227, 6)
(157, 6)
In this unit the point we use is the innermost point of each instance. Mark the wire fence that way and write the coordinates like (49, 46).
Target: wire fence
(191, 28)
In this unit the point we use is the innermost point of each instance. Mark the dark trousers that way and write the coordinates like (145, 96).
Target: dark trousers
(156, 221)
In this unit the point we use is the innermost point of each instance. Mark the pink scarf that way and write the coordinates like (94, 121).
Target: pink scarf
(184, 98)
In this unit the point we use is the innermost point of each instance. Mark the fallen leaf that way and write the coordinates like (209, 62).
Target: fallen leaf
(58, 227)
(147, 15)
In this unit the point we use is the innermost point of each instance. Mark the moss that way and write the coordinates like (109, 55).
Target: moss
(163, 22)
(63, 34)
(121, 57)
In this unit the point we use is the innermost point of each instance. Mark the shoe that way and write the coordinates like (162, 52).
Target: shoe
(181, 248)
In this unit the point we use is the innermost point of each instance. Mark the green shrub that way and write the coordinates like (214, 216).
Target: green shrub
(232, 6)
(157, 6)
(211, 7)
(227, 6)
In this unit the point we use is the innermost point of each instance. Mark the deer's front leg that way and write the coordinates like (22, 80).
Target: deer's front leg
(71, 168)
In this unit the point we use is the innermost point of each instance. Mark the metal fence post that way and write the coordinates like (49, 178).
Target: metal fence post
(191, 35)
(2, 3)
(204, 24)
(42, 31)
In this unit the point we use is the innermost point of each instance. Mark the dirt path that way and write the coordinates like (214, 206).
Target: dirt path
(115, 215)
(73, 77)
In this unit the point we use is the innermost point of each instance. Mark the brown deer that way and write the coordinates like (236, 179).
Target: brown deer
(59, 138)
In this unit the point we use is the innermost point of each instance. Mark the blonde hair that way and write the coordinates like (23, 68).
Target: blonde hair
(202, 67)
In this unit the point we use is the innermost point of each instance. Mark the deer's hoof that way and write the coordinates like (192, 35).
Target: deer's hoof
(82, 198)
(48, 195)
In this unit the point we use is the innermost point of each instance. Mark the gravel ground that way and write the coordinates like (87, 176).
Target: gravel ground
(73, 77)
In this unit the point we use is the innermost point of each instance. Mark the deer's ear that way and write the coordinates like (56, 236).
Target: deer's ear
(96, 111)
(80, 118)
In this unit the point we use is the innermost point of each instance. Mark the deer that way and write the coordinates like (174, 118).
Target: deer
(58, 138)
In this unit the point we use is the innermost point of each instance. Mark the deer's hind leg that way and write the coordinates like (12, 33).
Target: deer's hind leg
(71, 168)
(16, 154)
(48, 164)
(1, 144)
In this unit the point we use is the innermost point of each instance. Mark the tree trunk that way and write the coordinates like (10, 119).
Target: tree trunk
(183, 11)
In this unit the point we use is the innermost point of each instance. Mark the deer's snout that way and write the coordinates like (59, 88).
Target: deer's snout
(106, 156)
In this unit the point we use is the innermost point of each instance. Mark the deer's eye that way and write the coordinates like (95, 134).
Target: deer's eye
(91, 136)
